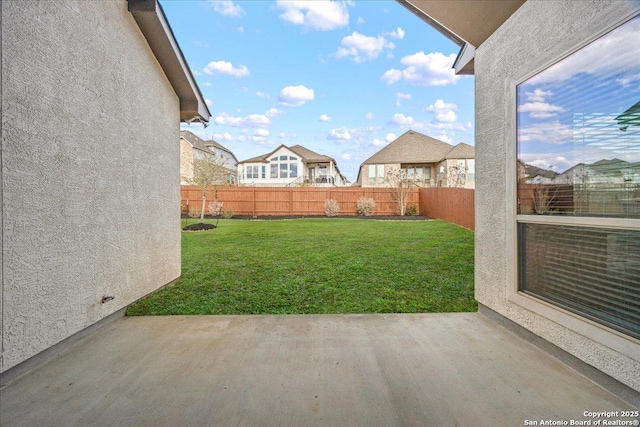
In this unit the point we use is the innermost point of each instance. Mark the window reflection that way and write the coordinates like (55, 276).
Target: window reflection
(579, 131)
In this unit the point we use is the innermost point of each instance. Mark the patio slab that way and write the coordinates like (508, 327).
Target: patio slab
(457, 369)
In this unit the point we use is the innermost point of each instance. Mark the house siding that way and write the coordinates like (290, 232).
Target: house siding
(538, 33)
(90, 170)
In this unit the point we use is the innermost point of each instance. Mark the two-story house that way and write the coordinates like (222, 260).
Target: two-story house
(193, 148)
(291, 166)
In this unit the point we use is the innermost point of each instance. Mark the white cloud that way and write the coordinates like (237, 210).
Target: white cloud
(224, 67)
(402, 120)
(362, 48)
(260, 94)
(400, 96)
(390, 137)
(369, 116)
(548, 161)
(605, 57)
(444, 138)
(360, 20)
(395, 34)
(537, 95)
(222, 136)
(340, 134)
(378, 142)
(540, 110)
(315, 14)
(433, 69)
(207, 84)
(444, 111)
(208, 102)
(242, 138)
(295, 96)
(392, 76)
(272, 112)
(252, 120)
(551, 133)
(282, 135)
(346, 156)
(324, 118)
(227, 8)
(261, 132)
(240, 29)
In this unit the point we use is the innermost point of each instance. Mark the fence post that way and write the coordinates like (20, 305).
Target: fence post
(290, 200)
(253, 209)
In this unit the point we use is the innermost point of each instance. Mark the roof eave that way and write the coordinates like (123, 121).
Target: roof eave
(153, 23)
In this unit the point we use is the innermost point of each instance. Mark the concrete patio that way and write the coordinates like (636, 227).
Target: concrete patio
(348, 370)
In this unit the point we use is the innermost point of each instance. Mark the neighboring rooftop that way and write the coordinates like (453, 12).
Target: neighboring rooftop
(414, 147)
(203, 145)
(307, 156)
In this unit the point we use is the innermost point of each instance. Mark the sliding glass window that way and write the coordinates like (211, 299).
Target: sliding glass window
(578, 181)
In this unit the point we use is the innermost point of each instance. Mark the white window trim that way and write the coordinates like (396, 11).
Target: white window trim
(597, 332)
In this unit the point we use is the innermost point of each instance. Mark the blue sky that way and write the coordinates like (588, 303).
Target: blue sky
(342, 78)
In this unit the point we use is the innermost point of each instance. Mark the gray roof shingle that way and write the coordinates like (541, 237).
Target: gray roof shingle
(414, 147)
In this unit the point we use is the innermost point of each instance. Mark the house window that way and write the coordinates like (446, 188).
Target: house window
(264, 172)
(415, 172)
(252, 172)
(578, 182)
(376, 174)
(471, 169)
(284, 167)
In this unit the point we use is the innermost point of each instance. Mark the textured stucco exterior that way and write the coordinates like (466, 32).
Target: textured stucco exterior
(538, 34)
(90, 170)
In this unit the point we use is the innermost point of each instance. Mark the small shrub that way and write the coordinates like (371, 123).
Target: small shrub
(226, 214)
(331, 207)
(365, 206)
(412, 210)
(194, 211)
(215, 208)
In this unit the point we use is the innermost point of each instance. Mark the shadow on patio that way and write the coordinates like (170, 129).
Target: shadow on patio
(369, 370)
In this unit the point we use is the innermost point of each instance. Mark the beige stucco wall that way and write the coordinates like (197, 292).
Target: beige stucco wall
(539, 33)
(90, 170)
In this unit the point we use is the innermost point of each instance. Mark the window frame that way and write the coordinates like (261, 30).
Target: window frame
(593, 330)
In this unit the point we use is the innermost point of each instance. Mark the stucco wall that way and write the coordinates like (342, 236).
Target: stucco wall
(90, 170)
(537, 34)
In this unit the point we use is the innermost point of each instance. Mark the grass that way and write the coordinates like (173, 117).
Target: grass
(321, 266)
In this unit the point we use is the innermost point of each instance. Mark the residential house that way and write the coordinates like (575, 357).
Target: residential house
(193, 148)
(92, 96)
(291, 166)
(553, 80)
(426, 161)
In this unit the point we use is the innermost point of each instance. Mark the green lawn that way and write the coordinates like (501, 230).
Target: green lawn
(321, 266)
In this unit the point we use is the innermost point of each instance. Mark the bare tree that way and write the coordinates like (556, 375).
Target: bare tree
(456, 176)
(209, 173)
(401, 188)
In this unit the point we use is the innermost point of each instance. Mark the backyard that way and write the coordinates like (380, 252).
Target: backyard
(313, 266)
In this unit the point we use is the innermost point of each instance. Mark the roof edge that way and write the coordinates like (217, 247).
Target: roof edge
(463, 63)
(155, 28)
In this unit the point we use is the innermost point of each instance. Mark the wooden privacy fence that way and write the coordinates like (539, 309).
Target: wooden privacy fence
(454, 205)
(262, 201)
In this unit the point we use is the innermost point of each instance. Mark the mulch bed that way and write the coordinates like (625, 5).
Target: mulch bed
(198, 227)
(374, 217)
